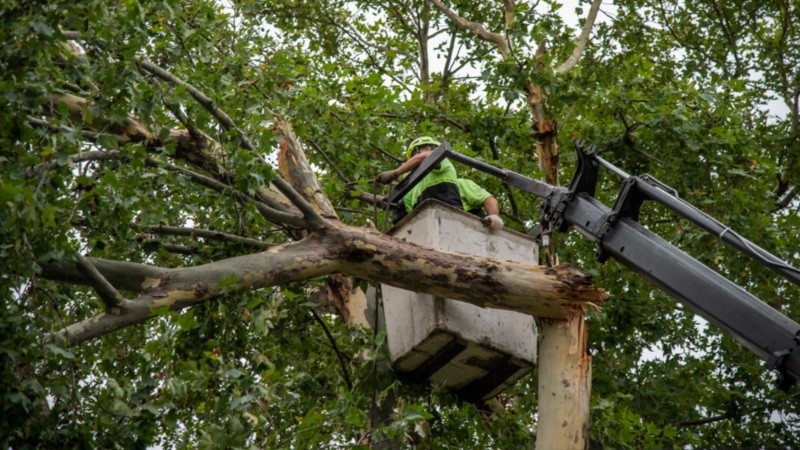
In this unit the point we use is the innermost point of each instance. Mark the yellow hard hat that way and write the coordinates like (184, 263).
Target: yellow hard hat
(422, 140)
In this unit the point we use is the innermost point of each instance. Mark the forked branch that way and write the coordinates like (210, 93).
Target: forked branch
(111, 297)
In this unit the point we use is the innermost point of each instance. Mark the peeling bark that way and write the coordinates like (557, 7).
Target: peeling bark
(557, 292)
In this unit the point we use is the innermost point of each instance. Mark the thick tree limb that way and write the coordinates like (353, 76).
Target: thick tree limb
(580, 43)
(544, 292)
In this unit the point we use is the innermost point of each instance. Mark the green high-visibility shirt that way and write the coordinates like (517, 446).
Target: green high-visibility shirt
(472, 195)
(443, 173)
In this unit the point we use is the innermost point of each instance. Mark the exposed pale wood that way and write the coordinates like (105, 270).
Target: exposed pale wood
(293, 165)
(565, 380)
(130, 131)
(295, 169)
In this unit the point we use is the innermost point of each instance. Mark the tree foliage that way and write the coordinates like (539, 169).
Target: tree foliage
(105, 155)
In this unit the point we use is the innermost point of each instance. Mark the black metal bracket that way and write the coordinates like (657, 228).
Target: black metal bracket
(584, 181)
(777, 361)
(628, 204)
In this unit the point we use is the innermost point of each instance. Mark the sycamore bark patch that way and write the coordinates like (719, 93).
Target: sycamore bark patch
(150, 283)
(173, 297)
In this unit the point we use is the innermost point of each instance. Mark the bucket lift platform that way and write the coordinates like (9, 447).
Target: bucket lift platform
(478, 352)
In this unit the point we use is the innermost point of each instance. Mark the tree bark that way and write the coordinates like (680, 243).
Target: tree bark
(565, 380)
(545, 132)
(556, 292)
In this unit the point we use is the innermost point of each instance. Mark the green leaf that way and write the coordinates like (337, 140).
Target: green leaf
(60, 352)
(42, 28)
(186, 321)
(160, 310)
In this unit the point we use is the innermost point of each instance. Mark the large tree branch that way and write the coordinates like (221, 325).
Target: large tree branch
(294, 167)
(583, 39)
(368, 254)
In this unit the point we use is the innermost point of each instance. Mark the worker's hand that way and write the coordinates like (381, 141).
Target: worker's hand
(493, 222)
(387, 177)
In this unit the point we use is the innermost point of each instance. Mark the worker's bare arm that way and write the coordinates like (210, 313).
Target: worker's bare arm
(412, 163)
(491, 206)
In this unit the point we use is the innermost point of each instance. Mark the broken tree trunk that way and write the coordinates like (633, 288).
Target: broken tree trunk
(565, 379)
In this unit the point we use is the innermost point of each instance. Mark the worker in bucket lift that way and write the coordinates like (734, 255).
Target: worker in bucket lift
(441, 184)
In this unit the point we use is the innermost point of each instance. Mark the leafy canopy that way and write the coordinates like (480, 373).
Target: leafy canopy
(703, 95)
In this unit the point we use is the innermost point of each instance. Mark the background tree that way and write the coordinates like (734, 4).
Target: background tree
(147, 133)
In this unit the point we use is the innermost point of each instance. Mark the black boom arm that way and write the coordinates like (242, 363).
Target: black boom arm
(769, 334)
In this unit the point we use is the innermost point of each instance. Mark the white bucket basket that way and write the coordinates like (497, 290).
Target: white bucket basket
(476, 351)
